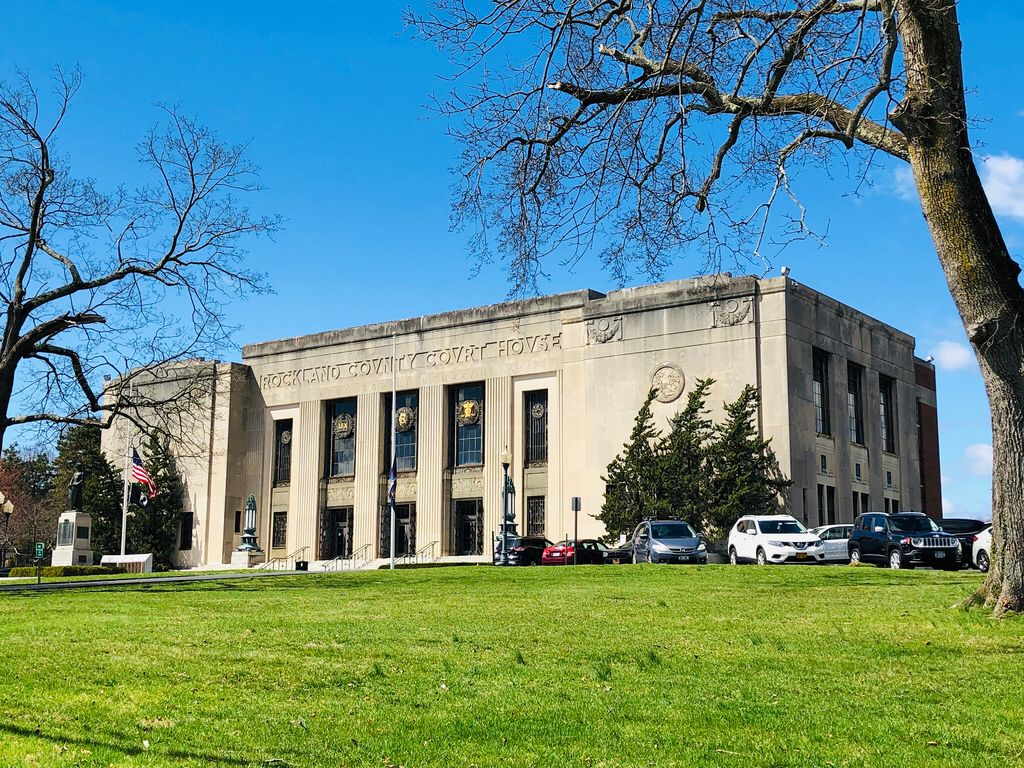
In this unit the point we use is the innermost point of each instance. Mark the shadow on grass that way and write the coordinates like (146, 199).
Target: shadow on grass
(212, 759)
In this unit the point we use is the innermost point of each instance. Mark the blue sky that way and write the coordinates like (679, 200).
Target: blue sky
(332, 100)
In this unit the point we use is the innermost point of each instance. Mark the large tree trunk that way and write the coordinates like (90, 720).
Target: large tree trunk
(982, 277)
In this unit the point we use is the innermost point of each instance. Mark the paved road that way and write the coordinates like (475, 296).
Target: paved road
(87, 583)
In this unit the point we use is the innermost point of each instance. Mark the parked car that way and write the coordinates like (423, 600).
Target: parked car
(981, 549)
(668, 541)
(583, 552)
(765, 539)
(965, 529)
(615, 555)
(835, 538)
(520, 550)
(903, 540)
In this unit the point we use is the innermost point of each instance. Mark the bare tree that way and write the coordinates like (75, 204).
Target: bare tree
(113, 285)
(659, 125)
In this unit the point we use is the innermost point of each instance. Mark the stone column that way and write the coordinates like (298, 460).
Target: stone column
(497, 437)
(430, 463)
(369, 466)
(307, 469)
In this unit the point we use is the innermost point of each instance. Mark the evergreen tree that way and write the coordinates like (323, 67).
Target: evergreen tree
(745, 475)
(79, 447)
(633, 482)
(26, 479)
(684, 456)
(155, 527)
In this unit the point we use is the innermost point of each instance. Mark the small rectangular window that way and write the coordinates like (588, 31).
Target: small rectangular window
(185, 534)
(821, 504)
(888, 479)
(895, 506)
(279, 534)
(238, 521)
(824, 464)
(856, 470)
(830, 496)
(535, 516)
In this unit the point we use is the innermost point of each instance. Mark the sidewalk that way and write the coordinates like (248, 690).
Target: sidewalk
(87, 583)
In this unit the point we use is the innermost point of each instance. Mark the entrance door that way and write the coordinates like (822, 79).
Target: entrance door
(405, 530)
(468, 522)
(336, 533)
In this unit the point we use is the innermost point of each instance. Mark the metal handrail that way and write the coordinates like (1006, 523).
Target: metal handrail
(352, 562)
(286, 563)
(424, 554)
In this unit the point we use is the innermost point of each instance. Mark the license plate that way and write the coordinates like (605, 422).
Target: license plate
(939, 555)
(801, 555)
(615, 561)
(684, 558)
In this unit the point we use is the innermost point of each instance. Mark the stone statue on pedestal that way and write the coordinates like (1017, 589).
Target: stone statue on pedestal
(75, 487)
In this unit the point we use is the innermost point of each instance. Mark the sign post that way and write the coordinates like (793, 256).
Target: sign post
(40, 552)
(576, 505)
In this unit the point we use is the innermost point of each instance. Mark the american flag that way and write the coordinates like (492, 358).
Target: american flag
(140, 475)
(392, 482)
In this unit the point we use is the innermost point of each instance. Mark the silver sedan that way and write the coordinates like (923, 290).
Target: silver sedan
(835, 538)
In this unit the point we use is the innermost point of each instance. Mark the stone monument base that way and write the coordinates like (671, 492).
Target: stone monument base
(242, 558)
(74, 545)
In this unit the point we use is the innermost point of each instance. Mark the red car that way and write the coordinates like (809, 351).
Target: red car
(567, 552)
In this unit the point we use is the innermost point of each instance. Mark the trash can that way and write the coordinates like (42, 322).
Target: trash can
(302, 565)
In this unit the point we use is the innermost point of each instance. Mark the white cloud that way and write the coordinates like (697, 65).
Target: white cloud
(978, 459)
(903, 183)
(953, 355)
(1003, 178)
(949, 507)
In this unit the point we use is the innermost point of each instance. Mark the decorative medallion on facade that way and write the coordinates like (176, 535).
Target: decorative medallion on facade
(538, 410)
(286, 437)
(604, 330)
(730, 312)
(344, 425)
(668, 382)
(467, 412)
(405, 419)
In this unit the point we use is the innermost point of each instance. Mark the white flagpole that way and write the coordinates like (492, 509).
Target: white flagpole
(394, 449)
(127, 475)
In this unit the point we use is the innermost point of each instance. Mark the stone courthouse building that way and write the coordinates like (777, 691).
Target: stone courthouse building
(303, 424)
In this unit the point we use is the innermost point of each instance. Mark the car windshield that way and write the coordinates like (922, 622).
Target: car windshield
(780, 526)
(913, 524)
(672, 531)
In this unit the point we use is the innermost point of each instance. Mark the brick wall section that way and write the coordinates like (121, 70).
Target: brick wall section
(928, 444)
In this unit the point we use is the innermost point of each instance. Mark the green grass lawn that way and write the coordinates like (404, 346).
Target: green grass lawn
(609, 666)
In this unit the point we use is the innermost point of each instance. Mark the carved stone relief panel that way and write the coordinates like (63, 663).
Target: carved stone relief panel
(604, 329)
(668, 381)
(731, 312)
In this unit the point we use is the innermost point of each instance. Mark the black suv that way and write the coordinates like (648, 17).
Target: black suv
(903, 540)
(520, 550)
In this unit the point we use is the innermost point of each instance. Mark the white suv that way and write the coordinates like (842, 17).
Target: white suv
(982, 548)
(766, 539)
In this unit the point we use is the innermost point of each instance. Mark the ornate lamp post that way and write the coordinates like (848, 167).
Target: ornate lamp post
(249, 534)
(8, 509)
(505, 459)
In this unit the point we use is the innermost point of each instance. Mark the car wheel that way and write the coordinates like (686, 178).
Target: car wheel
(762, 558)
(982, 561)
(896, 559)
(855, 555)
(733, 560)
